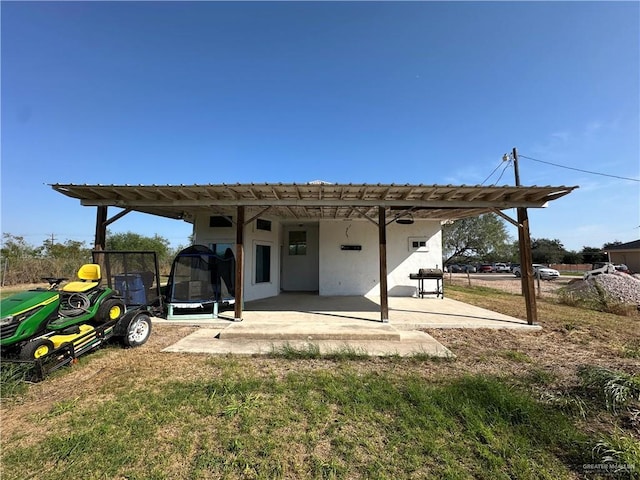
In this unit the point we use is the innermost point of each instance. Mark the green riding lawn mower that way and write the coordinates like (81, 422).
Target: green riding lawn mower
(113, 298)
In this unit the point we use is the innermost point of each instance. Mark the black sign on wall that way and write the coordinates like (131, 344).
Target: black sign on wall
(350, 247)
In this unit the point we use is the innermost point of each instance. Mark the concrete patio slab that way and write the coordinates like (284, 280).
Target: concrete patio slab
(405, 313)
(336, 323)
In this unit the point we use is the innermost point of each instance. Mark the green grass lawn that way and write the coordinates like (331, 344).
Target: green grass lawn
(332, 421)
(508, 411)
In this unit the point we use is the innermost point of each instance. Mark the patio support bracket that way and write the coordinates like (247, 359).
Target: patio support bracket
(506, 217)
(101, 225)
(364, 214)
(262, 212)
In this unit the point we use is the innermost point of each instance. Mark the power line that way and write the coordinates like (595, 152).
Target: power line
(580, 170)
(502, 173)
(494, 171)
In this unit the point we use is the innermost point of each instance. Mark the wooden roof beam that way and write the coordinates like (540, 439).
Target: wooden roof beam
(312, 203)
(449, 195)
(163, 192)
(253, 193)
(291, 212)
(430, 195)
(233, 193)
(189, 194)
(144, 194)
(472, 195)
(493, 196)
(408, 194)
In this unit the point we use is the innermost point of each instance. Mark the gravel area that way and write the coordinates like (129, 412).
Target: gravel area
(620, 287)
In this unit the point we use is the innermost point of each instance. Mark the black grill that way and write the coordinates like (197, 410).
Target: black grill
(7, 331)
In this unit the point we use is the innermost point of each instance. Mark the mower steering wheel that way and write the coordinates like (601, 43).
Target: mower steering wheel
(53, 281)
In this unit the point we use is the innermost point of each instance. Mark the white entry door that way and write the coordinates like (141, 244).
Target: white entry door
(300, 256)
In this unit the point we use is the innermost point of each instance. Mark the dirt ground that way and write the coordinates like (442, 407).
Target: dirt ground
(508, 283)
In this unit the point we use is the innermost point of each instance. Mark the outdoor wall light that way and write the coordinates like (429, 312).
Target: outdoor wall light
(405, 220)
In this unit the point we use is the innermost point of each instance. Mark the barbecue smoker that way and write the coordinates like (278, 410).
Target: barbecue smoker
(429, 274)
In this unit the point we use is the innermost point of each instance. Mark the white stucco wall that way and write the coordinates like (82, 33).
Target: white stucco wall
(341, 272)
(357, 272)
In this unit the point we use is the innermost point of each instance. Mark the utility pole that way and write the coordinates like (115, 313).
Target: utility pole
(526, 261)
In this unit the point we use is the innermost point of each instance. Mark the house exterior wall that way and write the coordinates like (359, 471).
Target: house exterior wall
(631, 258)
(341, 272)
(356, 272)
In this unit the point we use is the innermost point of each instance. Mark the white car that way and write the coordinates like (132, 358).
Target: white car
(539, 271)
(545, 273)
(501, 268)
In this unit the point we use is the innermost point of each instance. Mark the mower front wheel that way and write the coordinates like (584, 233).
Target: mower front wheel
(138, 331)
(36, 349)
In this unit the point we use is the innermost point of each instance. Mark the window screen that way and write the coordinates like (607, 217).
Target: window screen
(298, 242)
(263, 263)
(263, 224)
(220, 221)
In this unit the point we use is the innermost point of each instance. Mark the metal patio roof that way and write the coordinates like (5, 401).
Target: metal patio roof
(314, 201)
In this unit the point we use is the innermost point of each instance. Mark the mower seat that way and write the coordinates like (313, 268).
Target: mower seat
(89, 275)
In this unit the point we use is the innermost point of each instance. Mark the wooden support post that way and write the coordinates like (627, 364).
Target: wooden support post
(526, 266)
(526, 259)
(101, 229)
(384, 294)
(239, 263)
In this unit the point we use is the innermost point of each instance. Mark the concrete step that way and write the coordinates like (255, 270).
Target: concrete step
(310, 332)
(208, 341)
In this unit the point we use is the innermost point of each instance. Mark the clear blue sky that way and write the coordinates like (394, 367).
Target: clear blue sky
(362, 92)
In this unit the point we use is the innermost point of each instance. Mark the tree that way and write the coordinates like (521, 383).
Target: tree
(14, 247)
(71, 249)
(593, 255)
(547, 251)
(136, 242)
(572, 258)
(484, 236)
